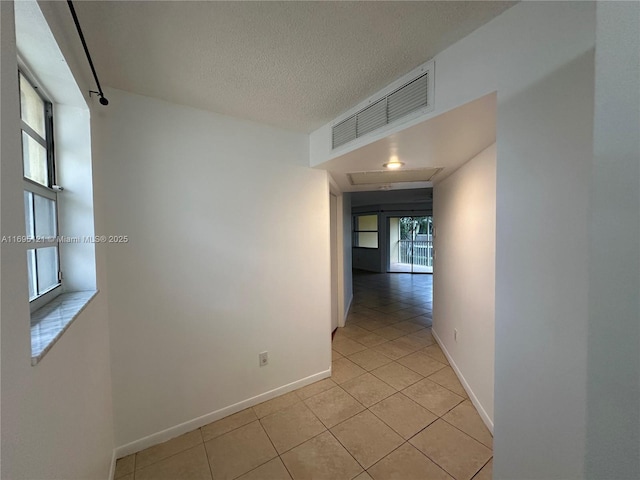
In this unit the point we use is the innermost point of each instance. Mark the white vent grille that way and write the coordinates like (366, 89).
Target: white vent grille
(407, 99)
(413, 94)
(371, 118)
(344, 132)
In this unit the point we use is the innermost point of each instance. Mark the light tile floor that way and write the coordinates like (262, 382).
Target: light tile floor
(392, 409)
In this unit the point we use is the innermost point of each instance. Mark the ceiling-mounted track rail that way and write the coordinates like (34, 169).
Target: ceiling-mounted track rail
(100, 93)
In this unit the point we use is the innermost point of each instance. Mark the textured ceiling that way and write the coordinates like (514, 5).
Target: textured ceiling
(295, 65)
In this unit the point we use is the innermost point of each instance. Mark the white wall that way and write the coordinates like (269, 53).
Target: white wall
(56, 416)
(464, 213)
(75, 205)
(228, 257)
(538, 56)
(544, 155)
(613, 391)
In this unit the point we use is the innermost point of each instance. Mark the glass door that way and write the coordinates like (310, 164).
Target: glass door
(411, 244)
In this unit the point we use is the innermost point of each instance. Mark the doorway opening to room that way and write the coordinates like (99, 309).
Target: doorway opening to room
(410, 244)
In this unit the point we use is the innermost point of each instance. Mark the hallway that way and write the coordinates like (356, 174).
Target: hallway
(392, 407)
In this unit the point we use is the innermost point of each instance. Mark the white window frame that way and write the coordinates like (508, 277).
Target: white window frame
(356, 230)
(46, 191)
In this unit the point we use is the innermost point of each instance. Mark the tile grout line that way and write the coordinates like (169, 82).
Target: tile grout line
(437, 416)
(465, 433)
(486, 463)
(270, 441)
(167, 457)
(206, 453)
(345, 448)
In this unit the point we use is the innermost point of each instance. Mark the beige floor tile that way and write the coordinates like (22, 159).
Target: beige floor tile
(421, 363)
(388, 319)
(432, 396)
(407, 463)
(346, 346)
(291, 426)
(338, 335)
(275, 404)
(125, 465)
(390, 333)
(355, 311)
(456, 452)
(435, 352)
(239, 451)
(403, 315)
(315, 388)
(368, 389)
(465, 417)
(333, 406)
(448, 379)
(417, 342)
(369, 359)
(367, 438)
(396, 375)
(321, 458)
(191, 464)
(426, 333)
(372, 324)
(362, 476)
(344, 369)
(486, 473)
(227, 424)
(335, 355)
(408, 327)
(395, 350)
(371, 340)
(353, 331)
(126, 477)
(272, 470)
(424, 320)
(417, 309)
(403, 415)
(168, 448)
(393, 307)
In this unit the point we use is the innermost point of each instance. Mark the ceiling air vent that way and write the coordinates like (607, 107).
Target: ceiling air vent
(393, 176)
(409, 94)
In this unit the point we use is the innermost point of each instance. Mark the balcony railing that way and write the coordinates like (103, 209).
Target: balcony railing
(417, 252)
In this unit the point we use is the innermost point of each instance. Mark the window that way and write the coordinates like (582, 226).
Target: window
(40, 196)
(365, 231)
(59, 227)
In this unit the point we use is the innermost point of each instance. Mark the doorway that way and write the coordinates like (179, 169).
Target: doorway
(333, 229)
(410, 244)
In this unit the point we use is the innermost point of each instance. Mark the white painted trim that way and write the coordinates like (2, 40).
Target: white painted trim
(190, 425)
(346, 310)
(472, 396)
(112, 468)
(334, 189)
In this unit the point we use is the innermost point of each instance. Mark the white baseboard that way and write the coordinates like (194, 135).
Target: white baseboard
(172, 432)
(472, 396)
(343, 320)
(112, 468)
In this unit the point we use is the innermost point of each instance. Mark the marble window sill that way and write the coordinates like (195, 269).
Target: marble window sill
(50, 322)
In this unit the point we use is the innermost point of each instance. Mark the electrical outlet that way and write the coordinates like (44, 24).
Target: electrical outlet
(455, 334)
(263, 358)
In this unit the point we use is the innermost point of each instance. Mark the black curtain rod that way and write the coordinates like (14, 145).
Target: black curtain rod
(103, 100)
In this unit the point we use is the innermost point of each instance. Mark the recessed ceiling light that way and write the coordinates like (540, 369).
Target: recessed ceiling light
(393, 163)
